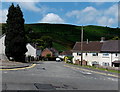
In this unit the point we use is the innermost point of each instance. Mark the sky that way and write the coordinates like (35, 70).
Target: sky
(75, 13)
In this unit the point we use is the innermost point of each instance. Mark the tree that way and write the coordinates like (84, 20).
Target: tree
(47, 41)
(4, 28)
(43, 42)
(15, 40)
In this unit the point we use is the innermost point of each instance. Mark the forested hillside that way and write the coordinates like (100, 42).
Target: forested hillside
(64, 36)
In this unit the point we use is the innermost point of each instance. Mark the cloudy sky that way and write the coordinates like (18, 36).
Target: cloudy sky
(76, 13)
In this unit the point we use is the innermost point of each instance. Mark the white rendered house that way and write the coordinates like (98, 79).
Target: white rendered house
(32, 50)
(2, 47)
(105, 53)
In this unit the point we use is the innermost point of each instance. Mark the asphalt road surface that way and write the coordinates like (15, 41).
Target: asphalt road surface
(53, 75)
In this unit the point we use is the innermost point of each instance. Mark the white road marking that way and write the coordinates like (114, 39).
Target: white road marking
(113, 79)
(5, 72)
(86, 72)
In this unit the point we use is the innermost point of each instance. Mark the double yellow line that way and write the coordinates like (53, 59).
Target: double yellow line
(93, 71)
(33, 65)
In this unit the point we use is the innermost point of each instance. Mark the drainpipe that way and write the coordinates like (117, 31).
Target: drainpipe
(111, 58)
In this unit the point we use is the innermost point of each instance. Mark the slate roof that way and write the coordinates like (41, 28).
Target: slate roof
(35, 46)
(111, 46)
(92, 46)
(53, 50)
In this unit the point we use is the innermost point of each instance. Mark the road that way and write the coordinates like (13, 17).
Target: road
(53, 75)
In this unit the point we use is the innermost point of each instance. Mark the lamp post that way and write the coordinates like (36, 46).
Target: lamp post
(81, 45)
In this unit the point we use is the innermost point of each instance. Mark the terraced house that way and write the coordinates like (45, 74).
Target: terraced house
(103, 53)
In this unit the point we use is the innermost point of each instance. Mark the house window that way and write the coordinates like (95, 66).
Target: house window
(95, 63)
(116, 54)
(78, 54)
(105, 54)
(105, 64)
(94, 54)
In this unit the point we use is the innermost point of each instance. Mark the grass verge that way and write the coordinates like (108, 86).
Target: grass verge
(97, 68)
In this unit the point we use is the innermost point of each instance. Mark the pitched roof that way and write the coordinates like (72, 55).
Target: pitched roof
(35, 46)
(68, 52)
(92, 46)
(47, 50)
(111, 46)
(53, 50)
(2, 35)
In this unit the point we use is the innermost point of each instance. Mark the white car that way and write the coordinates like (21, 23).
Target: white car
(58, 59)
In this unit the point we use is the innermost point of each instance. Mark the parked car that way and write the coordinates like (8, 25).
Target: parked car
(58, 60)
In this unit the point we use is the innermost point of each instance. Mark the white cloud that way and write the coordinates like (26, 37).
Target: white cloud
(89, 9)
(3, 15)
(61, 0)
(20, 0)
(91, 15)
(113, 10)
(31, 6)
(73, 13)
(103, 20)
(52, 18)
(86, 15)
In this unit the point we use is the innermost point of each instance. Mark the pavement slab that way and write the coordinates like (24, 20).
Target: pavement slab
(12, 65)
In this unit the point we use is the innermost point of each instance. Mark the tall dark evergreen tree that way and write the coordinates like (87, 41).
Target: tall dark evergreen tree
(15, 40)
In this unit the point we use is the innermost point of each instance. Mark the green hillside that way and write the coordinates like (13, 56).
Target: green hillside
(64, 36)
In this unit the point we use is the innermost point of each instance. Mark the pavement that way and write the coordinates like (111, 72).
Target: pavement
(13, 65)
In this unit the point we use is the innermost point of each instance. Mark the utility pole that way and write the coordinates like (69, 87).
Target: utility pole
(81, 45)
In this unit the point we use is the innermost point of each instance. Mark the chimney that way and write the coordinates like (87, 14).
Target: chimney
(102, 39)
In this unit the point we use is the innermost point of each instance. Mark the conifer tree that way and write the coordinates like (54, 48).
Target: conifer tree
(15, 40)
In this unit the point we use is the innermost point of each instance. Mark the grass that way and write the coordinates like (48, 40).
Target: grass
(59, 46)
(98, 68)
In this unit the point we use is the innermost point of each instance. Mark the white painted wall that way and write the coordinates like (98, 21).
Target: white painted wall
(2, 46)
(100, 58)
(31, 50)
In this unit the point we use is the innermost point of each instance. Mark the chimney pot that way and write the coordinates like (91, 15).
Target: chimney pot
(102, 39)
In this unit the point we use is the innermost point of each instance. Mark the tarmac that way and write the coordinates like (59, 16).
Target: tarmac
(12, 65)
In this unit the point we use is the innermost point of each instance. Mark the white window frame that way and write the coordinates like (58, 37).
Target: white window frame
(94, 54)
(78, 54)
(106, 54)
